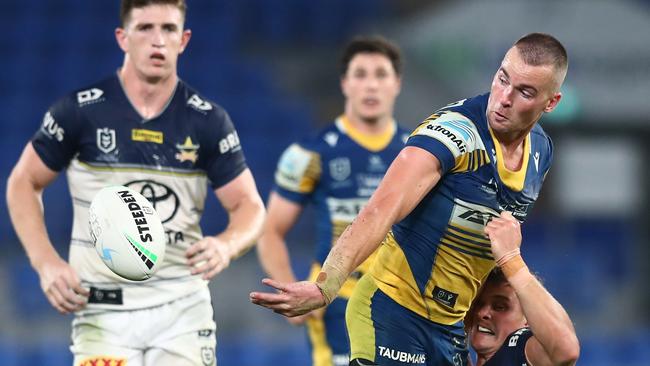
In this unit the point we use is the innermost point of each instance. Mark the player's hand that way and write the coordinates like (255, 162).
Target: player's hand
(292, 299)
(62, 286)
(208, 256)
(505, 235)
(302, 319)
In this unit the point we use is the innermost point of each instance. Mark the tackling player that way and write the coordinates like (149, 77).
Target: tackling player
(144, 128)
(461, 167)
(337, 171)
(514, 321)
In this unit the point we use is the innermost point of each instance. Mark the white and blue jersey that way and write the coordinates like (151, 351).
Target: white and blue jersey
(513, 350)
(99, 138)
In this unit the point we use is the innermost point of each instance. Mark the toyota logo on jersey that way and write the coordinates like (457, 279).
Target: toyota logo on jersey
(164, 200)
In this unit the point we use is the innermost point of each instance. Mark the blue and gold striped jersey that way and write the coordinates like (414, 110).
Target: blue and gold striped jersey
(434, 260)
(337, 171)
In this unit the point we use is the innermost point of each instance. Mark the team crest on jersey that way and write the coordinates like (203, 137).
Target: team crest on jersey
(106, 139)
(340, 168)
(188, 151)
(198, 103)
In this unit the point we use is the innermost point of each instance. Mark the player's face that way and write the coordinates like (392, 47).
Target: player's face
(153, 39)
(495, 315)
(520, 93)
(370, 87)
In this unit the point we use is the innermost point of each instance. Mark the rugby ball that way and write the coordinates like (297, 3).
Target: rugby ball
(127, 232)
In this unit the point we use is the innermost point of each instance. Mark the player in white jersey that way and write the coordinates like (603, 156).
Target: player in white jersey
(144, 128)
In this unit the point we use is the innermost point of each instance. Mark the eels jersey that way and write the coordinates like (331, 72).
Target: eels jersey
(100, 139)
(434, 260)
(338, 170)
(513, 350)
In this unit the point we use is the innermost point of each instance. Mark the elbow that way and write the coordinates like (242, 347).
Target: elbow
(258, 218)
(568, 352)
(14, 183)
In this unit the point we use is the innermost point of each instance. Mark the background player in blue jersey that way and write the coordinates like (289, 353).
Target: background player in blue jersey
(337, 170)
(514, 321)
(145, 128)
(461, 167)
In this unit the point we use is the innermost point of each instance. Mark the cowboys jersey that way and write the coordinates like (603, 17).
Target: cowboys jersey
(434, 260)
(513, 350)
(337, 171)
(100, 139)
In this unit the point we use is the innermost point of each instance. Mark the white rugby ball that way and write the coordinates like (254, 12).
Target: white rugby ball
(127, 232)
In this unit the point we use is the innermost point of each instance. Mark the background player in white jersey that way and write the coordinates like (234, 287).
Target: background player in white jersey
(337, 170)
(464, 165)
(514, 321)
(145, 128)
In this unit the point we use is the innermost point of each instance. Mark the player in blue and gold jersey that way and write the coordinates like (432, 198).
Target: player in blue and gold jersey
(337, 171)
(144, 128)
(514, 321)
(464, 165)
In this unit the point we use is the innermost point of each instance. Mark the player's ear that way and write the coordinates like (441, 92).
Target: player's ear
(344, 85)
(120, 37)
(185, 39)
(552, 103)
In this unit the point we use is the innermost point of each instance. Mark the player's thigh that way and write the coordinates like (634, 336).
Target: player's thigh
(382, 331)
(189, 349)
(447, 345)
(100, 340)
(190, 338)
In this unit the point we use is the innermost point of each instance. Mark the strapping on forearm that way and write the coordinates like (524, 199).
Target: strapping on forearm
(329, 281)
(514, 268)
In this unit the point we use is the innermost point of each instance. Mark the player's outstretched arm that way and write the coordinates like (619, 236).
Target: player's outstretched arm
(554, 340)
(25, 186)
(246, 214)
(413, 173)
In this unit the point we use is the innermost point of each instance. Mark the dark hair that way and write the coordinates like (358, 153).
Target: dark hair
(371, 44)
(128, 5)
(542, 49)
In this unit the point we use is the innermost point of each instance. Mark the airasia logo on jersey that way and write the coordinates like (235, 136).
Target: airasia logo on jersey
(52, 128)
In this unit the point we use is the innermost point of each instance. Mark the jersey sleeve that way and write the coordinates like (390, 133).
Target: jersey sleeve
(513, 350)
(57, 141)
(225, 159)
(450, 137)
(298, 173)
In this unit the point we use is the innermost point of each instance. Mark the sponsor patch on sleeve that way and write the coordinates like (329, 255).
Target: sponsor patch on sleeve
(298, 169)
(452, 129)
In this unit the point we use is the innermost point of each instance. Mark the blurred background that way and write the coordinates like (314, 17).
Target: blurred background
(273, 65)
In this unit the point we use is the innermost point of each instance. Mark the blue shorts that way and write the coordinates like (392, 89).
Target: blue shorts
(328, 337)
(389, 334)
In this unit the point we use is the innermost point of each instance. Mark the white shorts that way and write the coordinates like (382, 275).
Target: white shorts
(179, 333)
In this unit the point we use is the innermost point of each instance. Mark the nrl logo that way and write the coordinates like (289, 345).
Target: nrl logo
(187, 151)
(340, 168)
(106, 139)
